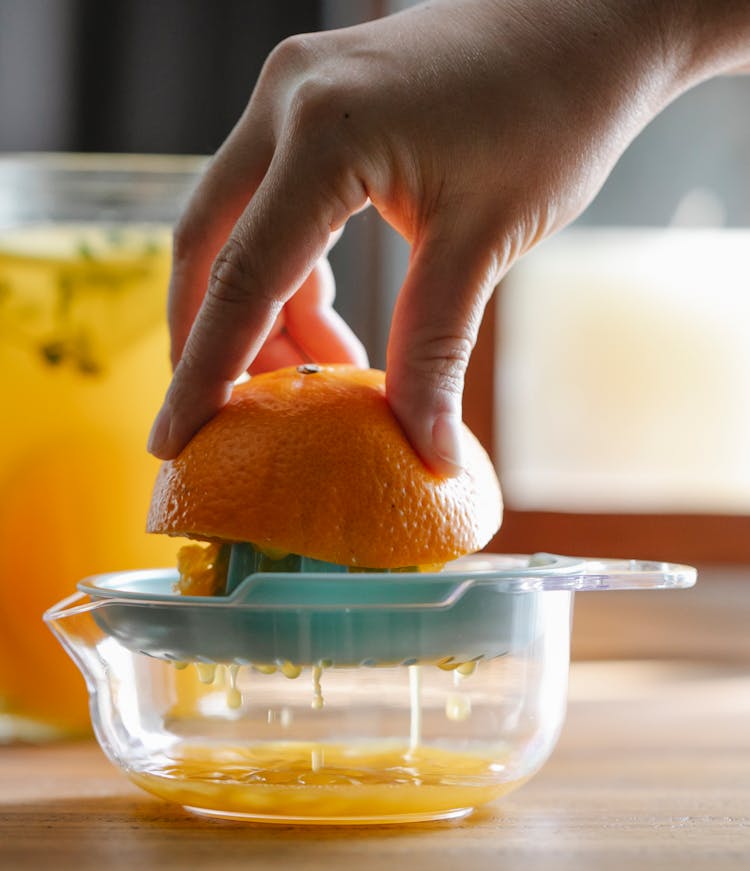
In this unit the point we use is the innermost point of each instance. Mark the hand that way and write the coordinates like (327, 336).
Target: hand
(474, 128)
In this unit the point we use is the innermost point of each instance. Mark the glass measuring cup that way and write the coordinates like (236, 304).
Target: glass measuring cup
(333, 698)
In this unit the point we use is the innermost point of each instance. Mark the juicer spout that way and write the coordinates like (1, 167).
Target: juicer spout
(71, 621)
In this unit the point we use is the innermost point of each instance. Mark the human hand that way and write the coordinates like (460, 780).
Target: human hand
(474, 128)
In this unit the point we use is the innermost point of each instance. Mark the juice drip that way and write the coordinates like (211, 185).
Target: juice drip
(290, 670)
(464, 668)
(415, 708)
(283, 716)
(457, 705)
(206, 672)
(317, 700)
(234, 697)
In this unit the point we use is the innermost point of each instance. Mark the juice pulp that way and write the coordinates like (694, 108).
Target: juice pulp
(325, 783)
(83, 369)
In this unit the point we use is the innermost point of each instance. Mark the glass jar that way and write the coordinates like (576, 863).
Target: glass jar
(85, 246)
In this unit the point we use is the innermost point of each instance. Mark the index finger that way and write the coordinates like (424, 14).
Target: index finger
(271, 250)
(222, 194)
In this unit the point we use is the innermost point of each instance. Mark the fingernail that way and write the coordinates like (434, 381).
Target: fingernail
(159, 435)
(447, 439)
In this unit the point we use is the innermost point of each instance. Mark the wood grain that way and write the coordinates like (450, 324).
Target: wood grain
(652, 772)
(708, 622)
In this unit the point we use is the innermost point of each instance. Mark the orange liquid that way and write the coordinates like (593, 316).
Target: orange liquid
(374, 780)
(83, 369)
(326, 783)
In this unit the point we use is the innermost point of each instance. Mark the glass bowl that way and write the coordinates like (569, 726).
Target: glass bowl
(366, 698)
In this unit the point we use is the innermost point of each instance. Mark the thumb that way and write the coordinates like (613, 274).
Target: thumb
(433, 332)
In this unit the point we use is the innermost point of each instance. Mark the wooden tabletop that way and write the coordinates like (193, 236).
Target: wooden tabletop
(652, 772)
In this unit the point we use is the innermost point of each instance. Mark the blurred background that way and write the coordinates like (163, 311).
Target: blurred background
(610, 382)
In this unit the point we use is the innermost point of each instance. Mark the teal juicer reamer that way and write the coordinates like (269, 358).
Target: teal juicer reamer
(467, 611)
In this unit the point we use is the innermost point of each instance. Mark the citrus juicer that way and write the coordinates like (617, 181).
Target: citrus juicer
(441, 691)
(351, 619)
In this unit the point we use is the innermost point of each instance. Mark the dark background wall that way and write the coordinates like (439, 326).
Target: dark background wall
(134, 75)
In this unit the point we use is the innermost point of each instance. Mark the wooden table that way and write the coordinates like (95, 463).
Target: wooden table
(652, 772)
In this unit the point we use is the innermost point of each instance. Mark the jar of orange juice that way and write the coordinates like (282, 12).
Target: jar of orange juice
(85, 245)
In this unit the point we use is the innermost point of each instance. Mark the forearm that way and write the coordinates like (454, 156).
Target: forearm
(704, 38)
(658, 48)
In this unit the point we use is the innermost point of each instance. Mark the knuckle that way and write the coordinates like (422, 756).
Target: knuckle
(346, 193)
(186, 372)
(292, 54)
(232, 278)
(319, 102)
(317, 115)
(235, 279)
(309, 102)
(441, 359)
(319, 110)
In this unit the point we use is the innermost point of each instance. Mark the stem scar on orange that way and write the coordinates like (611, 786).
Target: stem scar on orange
(311, 460)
